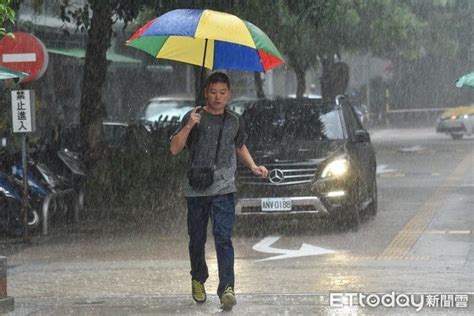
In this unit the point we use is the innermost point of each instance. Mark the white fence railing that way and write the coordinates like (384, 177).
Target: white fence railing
(78, 205)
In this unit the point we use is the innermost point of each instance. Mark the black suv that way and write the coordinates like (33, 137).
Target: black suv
(320, 162)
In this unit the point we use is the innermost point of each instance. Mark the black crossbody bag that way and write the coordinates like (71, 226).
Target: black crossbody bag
(201, 178)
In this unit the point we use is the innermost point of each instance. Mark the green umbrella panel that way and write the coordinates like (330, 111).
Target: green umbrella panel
(466, 80)
(6, 73)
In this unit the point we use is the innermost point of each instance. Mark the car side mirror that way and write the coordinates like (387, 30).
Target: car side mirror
(361, 136)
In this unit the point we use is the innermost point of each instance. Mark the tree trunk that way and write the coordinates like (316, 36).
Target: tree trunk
(300, 82)
(258, 85)
(95, 74)
(327, 93)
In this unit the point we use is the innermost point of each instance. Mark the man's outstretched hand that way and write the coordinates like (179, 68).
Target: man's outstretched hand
(260, 171)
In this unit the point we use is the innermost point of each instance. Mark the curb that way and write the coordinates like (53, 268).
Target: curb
(7, 303)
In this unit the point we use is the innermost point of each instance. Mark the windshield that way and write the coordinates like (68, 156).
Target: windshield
(291, 121)
(166, 110)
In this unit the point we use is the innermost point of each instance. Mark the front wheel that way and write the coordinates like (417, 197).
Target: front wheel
(346, 219)
(11, 221)
(353, 221)
(33, 219)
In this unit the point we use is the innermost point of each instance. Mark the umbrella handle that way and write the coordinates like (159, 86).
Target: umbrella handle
(203, 69)
(204, 55)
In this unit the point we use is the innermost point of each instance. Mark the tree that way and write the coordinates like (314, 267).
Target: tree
(7, 15)
(378, 27)
(252, 11)
(447, 52)
(302, 45)
(97, 17)
(448, 27)
(104, 14)
(293, 28)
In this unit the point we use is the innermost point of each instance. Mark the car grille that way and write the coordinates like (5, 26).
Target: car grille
(281, 174)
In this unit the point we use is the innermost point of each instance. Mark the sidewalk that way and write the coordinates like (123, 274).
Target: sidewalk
(146, 273)
(293, 304)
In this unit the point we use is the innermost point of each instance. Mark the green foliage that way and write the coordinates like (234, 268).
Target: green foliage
(293, 27)
(80, 15)
(123, 10)
(309, 30)
(141, 177)
(448, 27)
(7, 15)
(386, 28)
(96, 17)
(381, 27)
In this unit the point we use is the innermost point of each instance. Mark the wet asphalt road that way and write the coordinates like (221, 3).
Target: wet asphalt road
(420, 243)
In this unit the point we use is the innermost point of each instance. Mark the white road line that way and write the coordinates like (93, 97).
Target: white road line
(452, 232)
(459, 232)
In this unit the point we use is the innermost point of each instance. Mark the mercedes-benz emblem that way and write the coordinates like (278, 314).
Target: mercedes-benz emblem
(276, 176)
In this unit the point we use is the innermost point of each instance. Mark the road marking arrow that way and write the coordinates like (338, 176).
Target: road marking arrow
(305, 250)
(411, 149)
(383, 169)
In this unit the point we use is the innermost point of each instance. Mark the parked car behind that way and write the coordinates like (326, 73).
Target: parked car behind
(114, 133)
(457, 122)
(165, 110)
(320, 160)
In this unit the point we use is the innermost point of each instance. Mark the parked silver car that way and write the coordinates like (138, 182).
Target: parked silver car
(165, 110)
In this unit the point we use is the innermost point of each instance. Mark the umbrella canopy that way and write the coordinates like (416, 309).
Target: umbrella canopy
(6, 73)
(466, 80)
(211, 39)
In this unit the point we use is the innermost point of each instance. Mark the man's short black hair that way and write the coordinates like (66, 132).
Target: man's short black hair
(217, 77)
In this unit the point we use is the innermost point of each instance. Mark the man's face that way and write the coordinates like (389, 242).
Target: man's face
(217, 94)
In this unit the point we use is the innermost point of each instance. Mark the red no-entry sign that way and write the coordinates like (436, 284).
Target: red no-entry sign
(24, 52)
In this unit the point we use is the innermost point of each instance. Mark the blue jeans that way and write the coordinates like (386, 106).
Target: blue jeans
(221, 210)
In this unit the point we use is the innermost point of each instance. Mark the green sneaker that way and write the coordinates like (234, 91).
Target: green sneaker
(199, 292)
(228, 299)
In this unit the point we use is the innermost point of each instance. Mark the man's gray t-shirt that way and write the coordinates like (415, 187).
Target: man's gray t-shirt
(202, 144)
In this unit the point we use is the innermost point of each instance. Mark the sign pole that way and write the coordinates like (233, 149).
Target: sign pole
(24, 208)
(23, 121)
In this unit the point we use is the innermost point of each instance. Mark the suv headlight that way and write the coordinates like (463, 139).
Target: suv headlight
(336, 168)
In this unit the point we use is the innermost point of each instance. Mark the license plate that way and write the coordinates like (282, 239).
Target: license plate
(276, 204)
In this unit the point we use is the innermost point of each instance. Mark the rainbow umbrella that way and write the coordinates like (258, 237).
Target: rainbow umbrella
(211, 39)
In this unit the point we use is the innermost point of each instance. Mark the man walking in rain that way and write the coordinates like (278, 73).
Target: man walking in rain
(213, 136)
